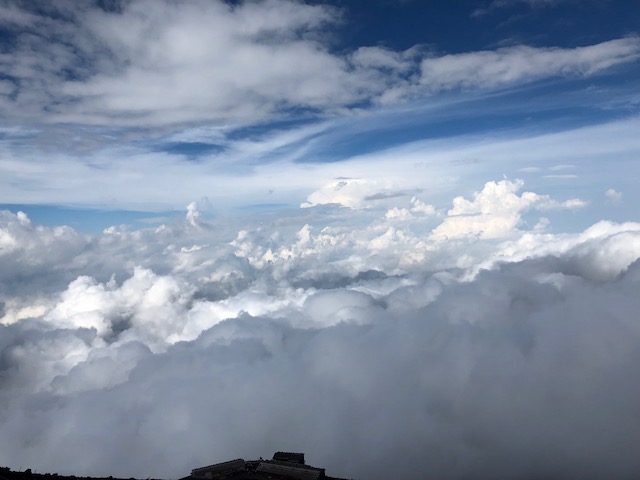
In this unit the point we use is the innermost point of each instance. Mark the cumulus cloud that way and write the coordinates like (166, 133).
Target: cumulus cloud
(422, 208)
(354, 193)
(397, 213)
(418, 208)
(502, 353)
(496, 211)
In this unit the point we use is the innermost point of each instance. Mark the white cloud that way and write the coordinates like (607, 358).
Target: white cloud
(522, 63)
(495, 212)
(557, 168)
(85, 304)
(154, 351)
(613, 195)
(354, 193)
(158, 62)
(571, 204)
(397, 214)
(193, 215)
(542, 224)
(564, 177)
(417, 209)
(420, 207)
(578, 253)
(161, 63)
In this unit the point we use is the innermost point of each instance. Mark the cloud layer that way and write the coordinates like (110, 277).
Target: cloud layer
(161, 63)
(358, 337)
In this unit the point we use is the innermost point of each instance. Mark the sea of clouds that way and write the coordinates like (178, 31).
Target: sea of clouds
(401, 342)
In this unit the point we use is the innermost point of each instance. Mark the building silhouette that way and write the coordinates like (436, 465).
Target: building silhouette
(283, 466)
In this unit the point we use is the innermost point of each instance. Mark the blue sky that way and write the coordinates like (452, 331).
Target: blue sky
(103, 122)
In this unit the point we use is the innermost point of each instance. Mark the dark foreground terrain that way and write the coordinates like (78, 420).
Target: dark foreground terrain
(283, 466)
(8, 474)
